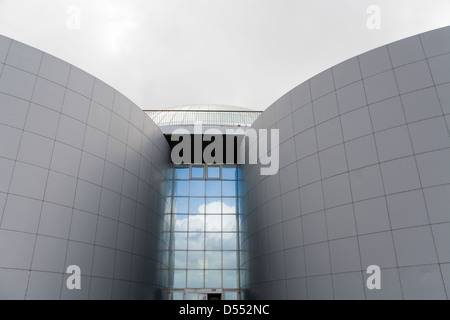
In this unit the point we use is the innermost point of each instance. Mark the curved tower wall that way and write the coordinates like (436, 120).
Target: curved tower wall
(82, 174)
(364, 180)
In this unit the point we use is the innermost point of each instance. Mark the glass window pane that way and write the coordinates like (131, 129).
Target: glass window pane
(227, 295)
(213, 279)
(229, 205)
(180, 240)
(229, 241)
(197, 205)
(196, 241)
(196, 222)
(179, 259)
(168, 205)
(213, 188)
(213, 241)
(179, 279)
(229, 173)
(181, 188)
(180, 222)
(195, 279)
(189, 117)
(213, 223)
(165, 235)
(180, 205)
(213, 205)
(243, 279)
(229, 223)
(230, 260)
(182, 173)
(197, 188)
(213, 260)
(198, 172)
(230, 279)
(170, 174)
(227, 118)
(191, 296)
(213, 172)
(196, 260)
(178, 295)
(241, 205)
(169, 188)
(229, 188)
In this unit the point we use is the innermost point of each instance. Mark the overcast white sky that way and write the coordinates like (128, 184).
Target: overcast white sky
(163, 53)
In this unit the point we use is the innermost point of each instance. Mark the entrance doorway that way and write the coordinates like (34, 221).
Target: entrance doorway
(203, 294)
(214, 296)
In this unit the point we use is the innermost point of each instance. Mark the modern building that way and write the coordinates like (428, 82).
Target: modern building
(87, 179)
(204, 203)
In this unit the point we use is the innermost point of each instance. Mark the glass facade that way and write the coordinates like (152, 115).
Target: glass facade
(204, 231)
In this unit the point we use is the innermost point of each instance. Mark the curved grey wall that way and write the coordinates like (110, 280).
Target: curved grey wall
(364, 180)
(82, 174)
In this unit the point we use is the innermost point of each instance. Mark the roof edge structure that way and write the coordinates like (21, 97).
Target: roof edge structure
(217, 116)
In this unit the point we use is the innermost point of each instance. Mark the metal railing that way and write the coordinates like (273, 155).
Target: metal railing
(206, 117)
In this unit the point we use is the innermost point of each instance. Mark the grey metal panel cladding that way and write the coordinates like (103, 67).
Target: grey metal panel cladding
(57, 208)
(380, 188)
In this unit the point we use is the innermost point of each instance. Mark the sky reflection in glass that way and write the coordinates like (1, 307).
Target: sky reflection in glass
(204, 227)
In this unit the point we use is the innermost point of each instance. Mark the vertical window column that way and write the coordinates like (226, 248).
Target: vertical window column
(204, 229)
